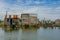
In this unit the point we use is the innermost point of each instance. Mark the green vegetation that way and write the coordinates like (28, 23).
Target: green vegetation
(1, 23)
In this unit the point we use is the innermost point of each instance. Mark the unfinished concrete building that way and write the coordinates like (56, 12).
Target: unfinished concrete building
(25, 19)
(29, 19)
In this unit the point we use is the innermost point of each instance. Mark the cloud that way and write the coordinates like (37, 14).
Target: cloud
(22, 7)
(44, 12)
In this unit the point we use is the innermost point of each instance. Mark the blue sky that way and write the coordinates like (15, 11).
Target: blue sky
(49, 9)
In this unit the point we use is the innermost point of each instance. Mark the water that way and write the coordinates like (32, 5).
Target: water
(31, 34)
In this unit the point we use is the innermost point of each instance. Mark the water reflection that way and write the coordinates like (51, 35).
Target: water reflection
(48, 27)
(11, 35)
(22, 34)
(29, 34)
(42, 33)
(59, 27)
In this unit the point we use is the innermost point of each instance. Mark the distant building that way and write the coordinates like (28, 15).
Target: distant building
(26, 19)
(11, 20)
(57, 22)
(29, 19)
(46, 22)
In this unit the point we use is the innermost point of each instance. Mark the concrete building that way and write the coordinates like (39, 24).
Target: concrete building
(29, 19)
(25, 19)
(34, 20)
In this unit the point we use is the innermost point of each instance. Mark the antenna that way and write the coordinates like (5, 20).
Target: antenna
(6, 12)
(6, 15)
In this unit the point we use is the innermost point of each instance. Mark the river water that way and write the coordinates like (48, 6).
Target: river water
(31, 34)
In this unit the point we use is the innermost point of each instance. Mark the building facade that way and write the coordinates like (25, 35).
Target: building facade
(29, 19)
(25, 19)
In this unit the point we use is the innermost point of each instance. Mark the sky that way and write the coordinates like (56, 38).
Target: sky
(49, 9)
